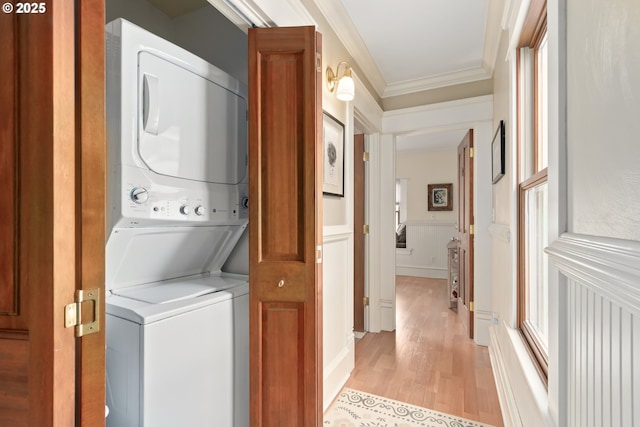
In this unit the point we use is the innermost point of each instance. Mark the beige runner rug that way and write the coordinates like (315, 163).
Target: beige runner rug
(354, 408)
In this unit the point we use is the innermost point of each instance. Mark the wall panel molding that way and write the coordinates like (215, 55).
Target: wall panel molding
(610, 267)
(601, 323)
(427, 243)
(338, 344)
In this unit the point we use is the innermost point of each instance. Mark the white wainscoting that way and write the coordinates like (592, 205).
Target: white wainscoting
(426, 252)
(338, 345)
(602, 326)
(523, 396)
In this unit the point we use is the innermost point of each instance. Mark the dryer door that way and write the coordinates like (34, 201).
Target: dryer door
(188, 125)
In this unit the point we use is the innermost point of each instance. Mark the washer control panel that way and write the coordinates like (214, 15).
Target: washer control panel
(145, 201)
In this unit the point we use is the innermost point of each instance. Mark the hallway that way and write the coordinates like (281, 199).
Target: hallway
(428, 361)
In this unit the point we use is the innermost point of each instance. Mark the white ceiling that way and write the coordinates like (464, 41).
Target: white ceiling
(407, 46)
(411, 39)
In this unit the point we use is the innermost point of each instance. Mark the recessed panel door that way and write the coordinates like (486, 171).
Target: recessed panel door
(465, 232)
(285, 235)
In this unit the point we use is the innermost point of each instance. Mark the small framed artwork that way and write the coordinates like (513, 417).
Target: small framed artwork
(333, 153)
(440, 197)
(497, 153)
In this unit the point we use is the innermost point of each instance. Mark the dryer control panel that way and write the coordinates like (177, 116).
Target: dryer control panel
(153, 200)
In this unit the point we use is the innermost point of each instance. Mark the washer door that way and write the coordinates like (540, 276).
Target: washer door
(189, 126)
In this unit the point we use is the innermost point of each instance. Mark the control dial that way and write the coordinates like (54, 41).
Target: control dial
(244, 202)
(139, 195)
(199, 210)
(184, 210)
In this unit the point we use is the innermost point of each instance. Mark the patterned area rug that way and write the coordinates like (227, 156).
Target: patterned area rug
(354, 408)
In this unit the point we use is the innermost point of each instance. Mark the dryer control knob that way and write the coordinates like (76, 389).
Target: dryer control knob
(199, 210)
(184, 210)
(244, 202)
(139, 195)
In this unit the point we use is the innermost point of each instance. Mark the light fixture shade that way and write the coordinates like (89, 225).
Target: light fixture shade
(346, 88)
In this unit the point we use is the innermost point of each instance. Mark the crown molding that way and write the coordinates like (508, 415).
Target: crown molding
(437, 81)
(339, 20)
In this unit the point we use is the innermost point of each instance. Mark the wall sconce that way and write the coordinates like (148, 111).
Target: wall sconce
(344, 86)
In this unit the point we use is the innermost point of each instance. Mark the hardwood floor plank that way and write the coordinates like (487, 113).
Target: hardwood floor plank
(428, 361)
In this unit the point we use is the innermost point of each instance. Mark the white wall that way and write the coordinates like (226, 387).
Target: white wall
(428, 232)
(602, 122)
(426, 254)
(420, 168)
(594, 304)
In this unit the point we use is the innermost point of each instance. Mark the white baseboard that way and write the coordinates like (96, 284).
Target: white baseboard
(510, 415)
(387, 315)
(336, 373)
(428, 272)
(481, 323)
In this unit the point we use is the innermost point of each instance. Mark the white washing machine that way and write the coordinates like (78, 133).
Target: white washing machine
(178, 357)
(177, 326)
(177, 349)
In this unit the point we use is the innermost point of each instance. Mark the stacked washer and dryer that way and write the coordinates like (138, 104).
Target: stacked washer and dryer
(177, 326)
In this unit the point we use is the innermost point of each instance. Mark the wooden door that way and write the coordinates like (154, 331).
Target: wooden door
(465, 232)
(285, 252)
(358, 234)
(90, 203)
(52, 217)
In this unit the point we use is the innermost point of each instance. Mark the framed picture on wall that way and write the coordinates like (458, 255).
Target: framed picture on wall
(497, 153)
(440, 197)
(333, 156)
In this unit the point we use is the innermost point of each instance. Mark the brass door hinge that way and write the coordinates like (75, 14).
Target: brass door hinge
(365, 156)
(472, 152)
(73, 312)
(365, 301)
(472, 229)
(472, 306)
(365, 229)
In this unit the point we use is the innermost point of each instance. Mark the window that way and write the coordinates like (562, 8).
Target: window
(533, 312)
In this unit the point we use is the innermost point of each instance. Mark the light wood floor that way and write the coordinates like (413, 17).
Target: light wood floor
(428, 361)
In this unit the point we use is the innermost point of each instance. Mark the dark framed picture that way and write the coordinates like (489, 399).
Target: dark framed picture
(497, 153)
(440, 197)
(333, 154)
